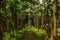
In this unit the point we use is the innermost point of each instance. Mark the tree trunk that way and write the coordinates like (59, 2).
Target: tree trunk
(3, 6)
(55, 19)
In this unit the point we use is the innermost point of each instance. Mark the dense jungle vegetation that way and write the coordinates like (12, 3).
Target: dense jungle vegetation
(29, 19)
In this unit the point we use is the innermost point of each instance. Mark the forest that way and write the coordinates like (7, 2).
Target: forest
(29, 19)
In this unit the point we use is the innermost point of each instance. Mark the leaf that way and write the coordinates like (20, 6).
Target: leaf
(2, 11)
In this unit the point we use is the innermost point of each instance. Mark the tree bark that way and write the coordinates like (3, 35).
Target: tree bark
(3, 6)
(55, 12)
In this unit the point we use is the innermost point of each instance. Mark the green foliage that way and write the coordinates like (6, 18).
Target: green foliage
(22, 8)
(20, 34)
(2, 11)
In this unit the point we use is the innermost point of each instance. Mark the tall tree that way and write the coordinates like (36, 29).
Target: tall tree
(2, 9)
(55, 12)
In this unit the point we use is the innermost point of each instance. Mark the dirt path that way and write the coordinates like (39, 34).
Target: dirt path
(29, 35)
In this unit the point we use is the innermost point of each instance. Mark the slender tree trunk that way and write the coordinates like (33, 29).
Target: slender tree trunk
(34, 20)
(29, 21)
(21, 21)
(47, 20)
(3, 6)
(55, 19)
